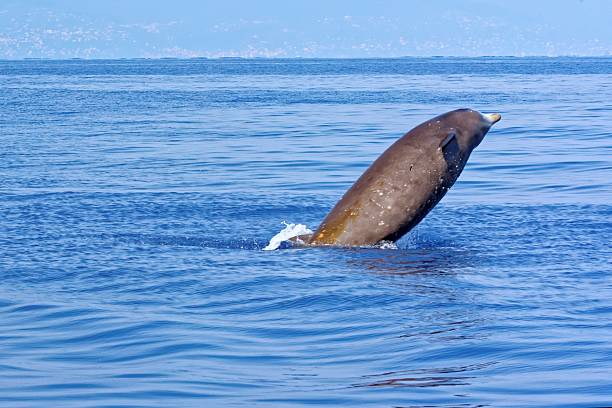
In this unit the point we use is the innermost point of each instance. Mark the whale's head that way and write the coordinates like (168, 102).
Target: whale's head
(470, 126)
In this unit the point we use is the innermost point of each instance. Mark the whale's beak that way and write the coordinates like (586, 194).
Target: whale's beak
(493, 118)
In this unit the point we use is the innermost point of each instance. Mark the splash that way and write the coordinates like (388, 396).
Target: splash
(290, 231)
(386, 245)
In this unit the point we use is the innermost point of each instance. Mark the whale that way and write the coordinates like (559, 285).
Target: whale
(405, 183)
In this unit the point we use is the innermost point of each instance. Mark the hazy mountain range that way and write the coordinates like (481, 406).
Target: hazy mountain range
(314, 28)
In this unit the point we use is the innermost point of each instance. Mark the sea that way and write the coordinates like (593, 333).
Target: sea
(137, 195)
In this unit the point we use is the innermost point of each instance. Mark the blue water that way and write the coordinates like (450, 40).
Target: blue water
(136, 195)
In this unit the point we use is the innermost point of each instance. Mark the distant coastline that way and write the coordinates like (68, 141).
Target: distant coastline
(407, 57)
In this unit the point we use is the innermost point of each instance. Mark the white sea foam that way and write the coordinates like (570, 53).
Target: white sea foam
(386, 245)
(290, 231)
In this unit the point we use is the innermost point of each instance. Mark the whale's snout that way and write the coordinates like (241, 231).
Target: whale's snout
(493, 118)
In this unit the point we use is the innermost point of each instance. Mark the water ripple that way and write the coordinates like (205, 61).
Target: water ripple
(136, 197)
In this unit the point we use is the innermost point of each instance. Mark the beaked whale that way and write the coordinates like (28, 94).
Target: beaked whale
(400, 188)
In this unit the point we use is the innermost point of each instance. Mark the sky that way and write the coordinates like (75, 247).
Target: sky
(312, 28)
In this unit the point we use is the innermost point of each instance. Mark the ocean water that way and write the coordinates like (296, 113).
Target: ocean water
(136, 197)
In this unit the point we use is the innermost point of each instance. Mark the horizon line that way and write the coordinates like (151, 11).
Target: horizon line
(305, 58)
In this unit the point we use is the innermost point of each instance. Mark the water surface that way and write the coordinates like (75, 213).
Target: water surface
(136, 195)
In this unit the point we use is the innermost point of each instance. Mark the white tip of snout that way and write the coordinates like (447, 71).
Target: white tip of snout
(492, 117)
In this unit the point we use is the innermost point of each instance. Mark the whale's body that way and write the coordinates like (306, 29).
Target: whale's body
(400, 188)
